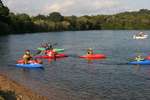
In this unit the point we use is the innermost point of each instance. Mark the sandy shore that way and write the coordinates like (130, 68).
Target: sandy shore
(9, 87)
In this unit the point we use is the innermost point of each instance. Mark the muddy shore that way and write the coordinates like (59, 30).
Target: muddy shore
(11, 89)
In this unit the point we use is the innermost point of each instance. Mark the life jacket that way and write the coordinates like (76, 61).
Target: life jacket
(51, 52)
(139, 58)
(35, 61)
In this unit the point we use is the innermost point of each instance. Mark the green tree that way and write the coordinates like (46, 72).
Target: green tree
(55, 16)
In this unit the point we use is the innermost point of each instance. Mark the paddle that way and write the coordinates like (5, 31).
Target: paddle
(131, 59)
(49, 43)
(35, 52)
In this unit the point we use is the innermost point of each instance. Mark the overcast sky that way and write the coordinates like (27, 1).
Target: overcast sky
(75, 7)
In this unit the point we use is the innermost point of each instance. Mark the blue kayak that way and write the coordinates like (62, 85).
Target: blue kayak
(143, 62)
(29, 65)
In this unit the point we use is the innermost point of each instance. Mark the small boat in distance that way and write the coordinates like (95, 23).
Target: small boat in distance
(140, 35)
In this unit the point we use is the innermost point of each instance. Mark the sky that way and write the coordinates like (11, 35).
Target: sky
(75, 7)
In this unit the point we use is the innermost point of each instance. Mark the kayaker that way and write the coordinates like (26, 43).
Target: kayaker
(27, 57)
(141, 34)
(139, 58)
(45, 45)
(89, 51)
(48, 46)
(51, 53)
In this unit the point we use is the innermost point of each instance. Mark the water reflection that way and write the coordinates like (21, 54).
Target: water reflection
(4, 50)
(136, 69)
(141, 71)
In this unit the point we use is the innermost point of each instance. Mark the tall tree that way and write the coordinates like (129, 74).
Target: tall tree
(55, 16)
(1, 3)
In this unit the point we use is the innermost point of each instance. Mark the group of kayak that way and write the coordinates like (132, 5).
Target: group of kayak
(33, 61)
(48, 52)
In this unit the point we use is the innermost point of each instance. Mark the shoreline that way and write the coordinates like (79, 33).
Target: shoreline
(23, 33)
(11, 88)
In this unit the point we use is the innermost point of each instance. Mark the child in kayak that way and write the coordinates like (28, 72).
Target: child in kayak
(45, 45)
(48, 46)
(139, 58)
(27, 57)
(89, 51)
(51, 52)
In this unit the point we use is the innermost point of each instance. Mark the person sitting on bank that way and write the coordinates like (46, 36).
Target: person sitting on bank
(89, 51)
(27, 57)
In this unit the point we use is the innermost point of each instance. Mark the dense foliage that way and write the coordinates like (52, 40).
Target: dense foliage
(23, 23)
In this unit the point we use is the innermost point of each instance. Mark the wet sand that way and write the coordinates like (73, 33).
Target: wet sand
(9, 87)
(21, 92)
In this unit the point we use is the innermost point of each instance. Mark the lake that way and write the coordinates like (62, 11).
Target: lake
(73, 78)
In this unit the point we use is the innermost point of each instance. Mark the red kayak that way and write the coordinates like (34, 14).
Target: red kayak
(148, 58)
(94, 56)
(52, 57)
(21, 61)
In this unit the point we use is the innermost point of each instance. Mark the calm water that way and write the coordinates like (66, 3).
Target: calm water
(75, 79)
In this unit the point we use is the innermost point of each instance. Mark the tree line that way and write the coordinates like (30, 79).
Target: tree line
(23, 23)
